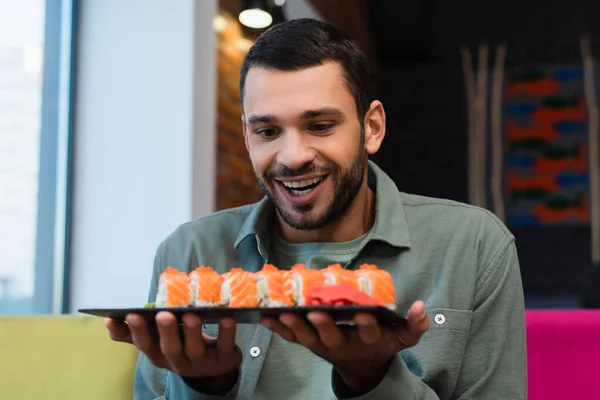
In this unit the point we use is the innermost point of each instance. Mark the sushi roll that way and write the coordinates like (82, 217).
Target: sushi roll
(377, 283)
(336, 275)
(239, 289)
(173, 289)
(299, 282)
(205, 287)
(269, 283)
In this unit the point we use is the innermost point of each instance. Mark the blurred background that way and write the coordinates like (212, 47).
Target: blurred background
(120, 120)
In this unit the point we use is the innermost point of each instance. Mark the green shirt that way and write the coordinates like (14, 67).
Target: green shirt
(459, 259)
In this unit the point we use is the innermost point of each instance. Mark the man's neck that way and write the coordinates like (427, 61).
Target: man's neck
(353, 223)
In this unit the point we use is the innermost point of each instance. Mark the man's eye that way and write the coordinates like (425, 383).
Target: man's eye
(320, 128)
(267, 133)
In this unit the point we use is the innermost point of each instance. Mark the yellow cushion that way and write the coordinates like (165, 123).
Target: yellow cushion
(63, 357)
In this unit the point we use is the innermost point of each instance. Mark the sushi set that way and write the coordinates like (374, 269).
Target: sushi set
(249, 296)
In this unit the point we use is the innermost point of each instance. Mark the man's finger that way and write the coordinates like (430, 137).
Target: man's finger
(118, 330)
(141, 338)
(194, 339)
(329, 333)
(170, 341)
(226, 339)
(368, 328)
(277, 327)
(305, 334)
(418, 324)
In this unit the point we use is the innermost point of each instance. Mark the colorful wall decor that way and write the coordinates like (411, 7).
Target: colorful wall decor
(546, 155)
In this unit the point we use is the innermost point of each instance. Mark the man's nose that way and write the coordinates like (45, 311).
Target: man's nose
(295, 151)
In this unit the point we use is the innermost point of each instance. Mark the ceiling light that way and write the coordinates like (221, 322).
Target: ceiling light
(255, 18)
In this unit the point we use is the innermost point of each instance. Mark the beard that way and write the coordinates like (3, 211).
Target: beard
(346, 184)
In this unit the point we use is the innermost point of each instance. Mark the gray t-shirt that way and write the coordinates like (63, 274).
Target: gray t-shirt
(290, 362)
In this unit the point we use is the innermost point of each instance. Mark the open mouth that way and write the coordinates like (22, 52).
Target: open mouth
(302, 188)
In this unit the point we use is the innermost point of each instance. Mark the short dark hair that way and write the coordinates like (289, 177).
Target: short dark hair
(304, 43)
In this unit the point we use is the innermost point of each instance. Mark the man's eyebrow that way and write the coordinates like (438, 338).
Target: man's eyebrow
(326, 111)
(308, 114)
(265, 119)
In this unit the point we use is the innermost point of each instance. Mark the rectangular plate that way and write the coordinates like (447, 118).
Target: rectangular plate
(211, 315)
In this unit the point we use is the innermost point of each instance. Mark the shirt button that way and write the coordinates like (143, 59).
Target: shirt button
(255, 352)
(439, 319)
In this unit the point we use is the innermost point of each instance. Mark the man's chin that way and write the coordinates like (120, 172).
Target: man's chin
(300, 219)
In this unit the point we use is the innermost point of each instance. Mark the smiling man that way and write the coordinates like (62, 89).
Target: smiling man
(309, 150)
(309, 128)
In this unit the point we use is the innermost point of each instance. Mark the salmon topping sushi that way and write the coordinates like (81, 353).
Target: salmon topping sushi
(270, 282)
(377, 283)
(299, 282)
(173, 289)
(205, 287)
(336, 275)
(239, 289)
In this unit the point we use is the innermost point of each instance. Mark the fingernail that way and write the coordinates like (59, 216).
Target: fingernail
(423, 314)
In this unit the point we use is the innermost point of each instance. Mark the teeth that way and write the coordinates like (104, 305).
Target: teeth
(301, 192)
(299, 184)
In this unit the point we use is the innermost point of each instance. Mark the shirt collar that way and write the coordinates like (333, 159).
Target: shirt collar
(390, 222)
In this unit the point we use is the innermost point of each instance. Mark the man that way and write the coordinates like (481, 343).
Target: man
(309, 128)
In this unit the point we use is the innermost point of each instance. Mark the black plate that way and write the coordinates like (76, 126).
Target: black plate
(341, 314)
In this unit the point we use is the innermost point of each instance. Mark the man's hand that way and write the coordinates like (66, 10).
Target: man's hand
(361, 356)
(205, 368)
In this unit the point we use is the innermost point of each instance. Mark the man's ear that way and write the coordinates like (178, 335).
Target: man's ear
(245, 132)
(374, 127)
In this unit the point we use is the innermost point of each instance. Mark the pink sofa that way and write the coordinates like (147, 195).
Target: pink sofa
(563, 350)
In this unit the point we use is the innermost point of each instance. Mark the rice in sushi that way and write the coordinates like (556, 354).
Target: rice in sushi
(205, 287)
(269, 283)
(377, 283)
(299, 282)
(336, 275)
(173, 289)
(239, 289)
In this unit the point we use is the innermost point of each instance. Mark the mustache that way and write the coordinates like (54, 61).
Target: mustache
(282, 171)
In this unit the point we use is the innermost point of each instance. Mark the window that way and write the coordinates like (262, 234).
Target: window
(35, 88)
